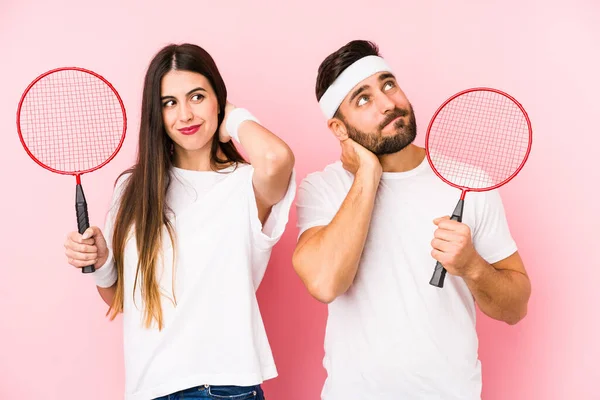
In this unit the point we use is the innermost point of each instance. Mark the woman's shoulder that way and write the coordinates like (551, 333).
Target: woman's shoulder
(122, 180)
(120, 184)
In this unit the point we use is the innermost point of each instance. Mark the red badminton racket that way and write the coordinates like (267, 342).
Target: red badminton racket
(478, 140)
(72, 121)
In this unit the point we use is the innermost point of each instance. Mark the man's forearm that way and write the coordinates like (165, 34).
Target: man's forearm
(328, 261)
(501, 294)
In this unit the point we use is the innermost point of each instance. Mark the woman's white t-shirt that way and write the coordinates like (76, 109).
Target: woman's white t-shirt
(213, 332)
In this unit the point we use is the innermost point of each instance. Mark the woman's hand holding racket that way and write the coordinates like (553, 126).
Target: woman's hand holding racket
(87, 249)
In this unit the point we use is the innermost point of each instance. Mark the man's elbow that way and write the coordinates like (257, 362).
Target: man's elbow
(521, 312)
(322, 292)
(321, 289)
(517, 316)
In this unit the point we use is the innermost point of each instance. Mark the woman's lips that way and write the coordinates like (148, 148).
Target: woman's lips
(190, 130)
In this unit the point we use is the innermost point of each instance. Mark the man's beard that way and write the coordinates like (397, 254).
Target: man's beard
(379, 144)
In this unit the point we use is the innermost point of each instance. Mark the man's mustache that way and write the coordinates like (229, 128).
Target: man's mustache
(398, 112)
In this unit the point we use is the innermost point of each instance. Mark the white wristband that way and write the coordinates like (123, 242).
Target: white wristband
(235, 119)
(106, 276)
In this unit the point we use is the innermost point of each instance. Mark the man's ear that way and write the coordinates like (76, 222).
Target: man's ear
(338, 128)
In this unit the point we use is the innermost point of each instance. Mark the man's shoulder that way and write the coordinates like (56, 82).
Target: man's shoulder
(332, 175)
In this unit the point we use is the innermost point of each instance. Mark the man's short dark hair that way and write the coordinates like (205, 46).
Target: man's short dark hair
(337, 62)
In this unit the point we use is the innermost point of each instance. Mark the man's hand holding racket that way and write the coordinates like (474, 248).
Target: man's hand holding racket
(453, 248)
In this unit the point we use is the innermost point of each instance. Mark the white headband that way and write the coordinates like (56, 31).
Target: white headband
(350, 77)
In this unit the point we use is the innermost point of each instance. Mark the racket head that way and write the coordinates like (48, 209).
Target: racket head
(478, 139)
(71, 121)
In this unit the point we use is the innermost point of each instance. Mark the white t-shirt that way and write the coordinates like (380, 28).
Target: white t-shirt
(214, 334)
(392, 335)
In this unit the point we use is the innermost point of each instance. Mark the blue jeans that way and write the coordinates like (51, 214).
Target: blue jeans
(207, 392)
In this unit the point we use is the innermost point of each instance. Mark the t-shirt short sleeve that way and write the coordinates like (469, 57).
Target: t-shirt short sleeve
(265, 237)
(491, 237)
(312, 207)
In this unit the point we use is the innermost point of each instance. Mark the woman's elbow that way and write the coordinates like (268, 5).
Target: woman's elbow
(278, 161)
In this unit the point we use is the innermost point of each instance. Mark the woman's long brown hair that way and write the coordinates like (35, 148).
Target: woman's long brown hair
(142, 208)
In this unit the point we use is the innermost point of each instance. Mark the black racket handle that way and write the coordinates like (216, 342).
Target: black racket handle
(439, 273)
(83, 221)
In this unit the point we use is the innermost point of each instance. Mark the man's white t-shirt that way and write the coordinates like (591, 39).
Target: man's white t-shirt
(392, 335)
(213, 332)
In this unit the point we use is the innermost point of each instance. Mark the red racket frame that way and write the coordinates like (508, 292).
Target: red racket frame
(80, 202)
(438, 276)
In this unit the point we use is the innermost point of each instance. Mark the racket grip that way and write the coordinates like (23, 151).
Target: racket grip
(439, 273)
(83, 221)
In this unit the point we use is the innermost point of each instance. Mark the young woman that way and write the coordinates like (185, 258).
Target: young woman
(189, 235)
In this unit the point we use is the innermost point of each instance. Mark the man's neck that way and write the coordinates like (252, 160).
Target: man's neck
(406, 159)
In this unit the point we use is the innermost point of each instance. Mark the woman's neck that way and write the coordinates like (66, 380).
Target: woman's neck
(196, 160)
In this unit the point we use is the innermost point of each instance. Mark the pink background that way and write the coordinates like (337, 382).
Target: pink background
(55, 342)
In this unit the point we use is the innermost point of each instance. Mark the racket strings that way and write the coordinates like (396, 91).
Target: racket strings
(479, 139)
(71, 121)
